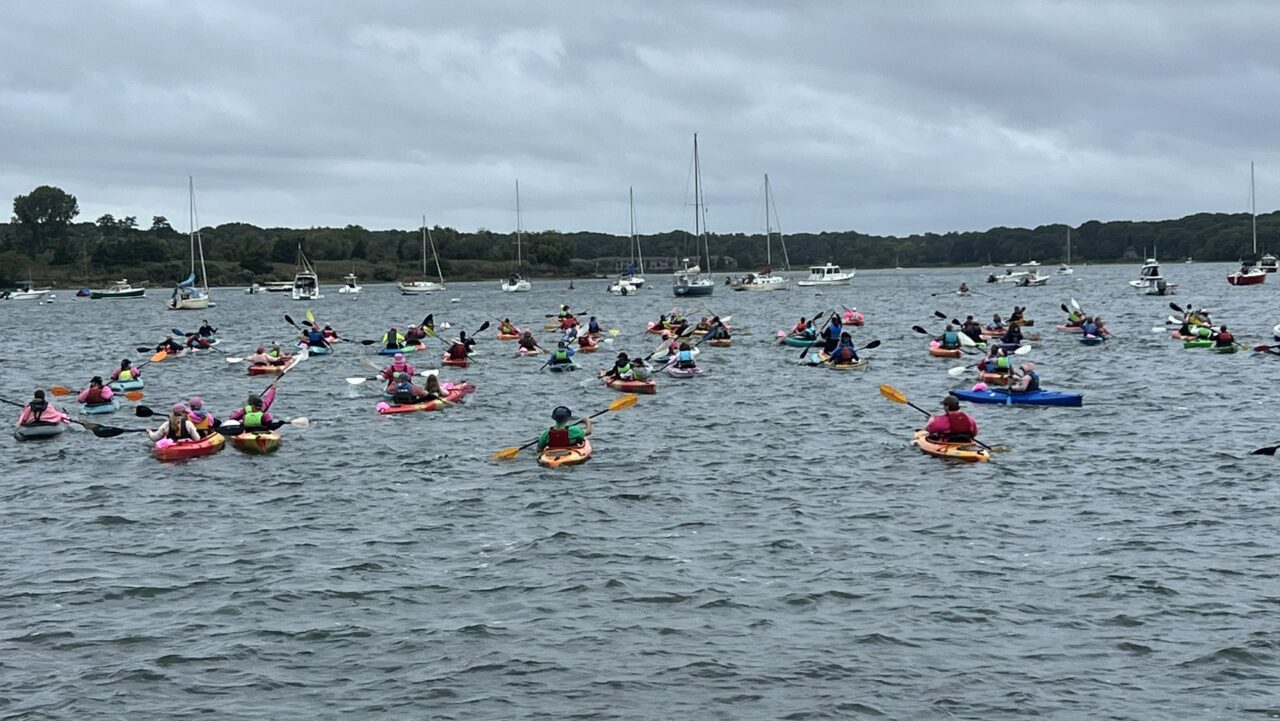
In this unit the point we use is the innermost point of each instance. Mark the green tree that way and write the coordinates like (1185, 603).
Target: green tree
(44, 215)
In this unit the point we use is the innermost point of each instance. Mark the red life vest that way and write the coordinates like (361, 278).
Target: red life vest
(1225, 338)
(94, 396)
(558, 438)
(961, 424)
(457, 351)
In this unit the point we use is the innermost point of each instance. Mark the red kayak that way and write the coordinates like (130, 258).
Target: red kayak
(456, 362)
(644, 387)
(167, 450)
(455, 395)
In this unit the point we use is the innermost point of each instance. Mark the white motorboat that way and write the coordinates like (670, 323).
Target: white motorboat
(1009, 276)
(623, 286)
(306, 284)
(690, 280)
(278, 286)
(827, 274)
(765, 280)
(1150, 281)
(1032, 280)
(517, 283)
(416, 287)
(187, 295)
(1268, 263)
(351, 287)
(28, 293)
(253, 289)
(1031, 264)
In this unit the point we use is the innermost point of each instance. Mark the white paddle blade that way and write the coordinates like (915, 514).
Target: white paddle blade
(1022, 350)
(965, 340)
(300, 422)
(957, 371)
(429, 372)
(356, 381)
(233, 360)
(1074, 304)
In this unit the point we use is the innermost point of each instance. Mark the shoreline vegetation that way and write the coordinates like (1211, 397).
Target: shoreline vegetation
(43, 241)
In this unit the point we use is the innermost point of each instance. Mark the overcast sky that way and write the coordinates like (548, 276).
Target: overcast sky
(879, 117)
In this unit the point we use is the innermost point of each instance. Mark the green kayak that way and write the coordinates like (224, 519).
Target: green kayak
(1198, 343)
(796, 342)
(1225, 348)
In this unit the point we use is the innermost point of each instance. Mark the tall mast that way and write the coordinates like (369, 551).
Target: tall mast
(195, 234)
(768, 230)
(434, 254)
(1068, 245)
(697, 192)
(518, 258)
(1253, 209)
(631, 199)
(424, 246)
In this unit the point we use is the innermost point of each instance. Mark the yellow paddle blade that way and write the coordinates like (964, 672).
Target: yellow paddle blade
(133, 395)
(159, 356)
(311, 318)
(505, 453)
(892, 394)
(626, 401)
(60, 391)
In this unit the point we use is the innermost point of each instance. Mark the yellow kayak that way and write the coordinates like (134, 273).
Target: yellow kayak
(967, 452)
(556, 457)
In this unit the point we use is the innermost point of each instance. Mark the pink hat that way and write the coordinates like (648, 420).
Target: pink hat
(178, 408)
(398, 357)
(196, 402)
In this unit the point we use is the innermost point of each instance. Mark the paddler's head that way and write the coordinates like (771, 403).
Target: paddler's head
(951, 403)
(196, 403)
(95, 381)
(254, 400)
(561, 414)
(178, 410)
(403, 377)
(846, 337)
(125, 363)
(685, 346)
(38, 395)
(949, 328)
(261, 349)
(1028, 367)
(560, 344)
(622, 357)
(398, 357)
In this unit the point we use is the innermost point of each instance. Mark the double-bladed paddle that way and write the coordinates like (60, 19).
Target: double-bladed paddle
(622, 403)
(897, 396)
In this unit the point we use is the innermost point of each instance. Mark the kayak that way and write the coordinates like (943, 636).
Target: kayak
(167, 450)
(257, 444)
(1024, 398)
(456, 362)
(96, 409)
(1092, 339)
(995, 379)
(1197, 343)
(406, 349)
(1006, 347)
(41, 429)
(1225, 348)
(1178, 336)
(675, 372)
(964, 451)
(720, 342)
(455, 394)
(798, 342)
(266, 370)
(562, 367)
(1070, 328)
(937, 351)
(633, 386)
(556, 457)
(854, 366)
(508, 336)
(588, 348)
(990, 333)
(135, 384)
(316, 349)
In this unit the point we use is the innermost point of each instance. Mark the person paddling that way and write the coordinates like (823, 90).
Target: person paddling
(831, 334)
(621, 370)
(950, 339)
(39, 411)
(844, 354)
(206, 330)
(1028, 381)
(261, 358)
(458, 349)
(169, 346)
(203, 420)
(684, 357)
(393, 339)
(506, 328)
(952, 425)
(196, 341)
(562, 355)
(586, 342)
(177, 428)
(971, 328)
(564, 434)
(398, 366)
(718, 330)
(404, 392)
(1223, 338)
(964, 287)
(126, 372)
(1012, 333)
(313, 337)
(593, 326)
(256, 404)
(96, 393)
(527, 342)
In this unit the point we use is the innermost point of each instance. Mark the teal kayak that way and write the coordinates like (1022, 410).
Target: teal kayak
(130, 385)
(796, 342)
(94, 409)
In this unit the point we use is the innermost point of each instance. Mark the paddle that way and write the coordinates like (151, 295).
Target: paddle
(869, 346)
(423, 373)
(957, 371)
(1267, 349)
(805, 351)
(620, 404)
(65, 391)
(897, 396)
(1265, 451)
(234, 428)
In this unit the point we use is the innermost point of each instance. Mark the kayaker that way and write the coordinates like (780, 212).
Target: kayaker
(260, 358)
(996, 360)
(952, 425)
(1102, 327)
(468, 341)
(256, 403)
(593, 326)
(315, 338)
(203, 420)
(971, 328)
(684, 357)
(393, 339)
(1075, 318)
(40, 410)
(831, 334)
(195, 341)
(804, 330)
(527, 342)
(277, 353)
(1028, 380)
(330, 335)
(126, 372)
(718, 330)
(458, 349)
(398, 365)
(178, 427)
(585, 341)
(414, 334)
(506, 328)
(96, 393)
(964, 287)
(621, 369)
(254, 416)
(568, 322)
(1203, 332)
(852, 316)
(404, 392)
(844, 354)
(432, 391)
(1012, 334)
(996, 323)
(1090, 327)
(562, 355)
(564, 434)
(1223, 338)
(169, 346)
(950, 339)
(206, 330)
(563, 312)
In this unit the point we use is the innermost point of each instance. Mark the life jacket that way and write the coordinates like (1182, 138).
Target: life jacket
(844, 353)
(1089, 329)
(1203, 331)
(178, 429)
(37, 408)
(1012, 336)
(1002, 363)
(950, 340)
(506, 329)
(528, 343)
(1034, 385)
(273, 353)
(560, 356)
(403, 393)
(558, 438)
(95, 396)
(960, 425)
(685, 356)
(124, 375)
(458, 351)
(1225, 338)
(315, 337)
(585, 341)
(622, 370)
(593, 327)
(252, 418)
(202, 420)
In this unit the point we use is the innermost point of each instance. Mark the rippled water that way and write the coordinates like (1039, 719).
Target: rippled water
(762, 542)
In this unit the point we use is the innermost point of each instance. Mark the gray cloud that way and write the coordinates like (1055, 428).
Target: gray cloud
(885, 118)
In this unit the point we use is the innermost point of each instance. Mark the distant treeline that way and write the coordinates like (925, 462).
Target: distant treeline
(44, 240)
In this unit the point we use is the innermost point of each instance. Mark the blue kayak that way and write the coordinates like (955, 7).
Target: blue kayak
(1028, 398)
(131, 385)
(94, 409)
(1091, 340)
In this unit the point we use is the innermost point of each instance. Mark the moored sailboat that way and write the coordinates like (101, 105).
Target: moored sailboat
(414, 287)
(517, 283)
(187, 295)
(690, 280)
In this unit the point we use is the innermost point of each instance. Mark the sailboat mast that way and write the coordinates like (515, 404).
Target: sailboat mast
(1253, 209)
(1068, 245)
(424, 246)
(195, 234)
(519, 259)
(434, 254)
(768, 231)
(191, 219)
(631, 201)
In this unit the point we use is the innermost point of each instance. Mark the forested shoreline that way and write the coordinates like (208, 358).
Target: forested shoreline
(44, 240)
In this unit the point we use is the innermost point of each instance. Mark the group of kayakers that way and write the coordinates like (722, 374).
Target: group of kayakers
(191, 422)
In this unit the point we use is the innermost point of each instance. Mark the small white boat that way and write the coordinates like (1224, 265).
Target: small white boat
(1031, 264)
(1268, 263)
(253, 289)
(1065, 268)
(765, 280)
(1150, 281)
(416, 287)
(1009, 276)
(29, 294)
(278, 286)
(623, 286)
(827, 274)
(306, 284)
(351, 287)
(1032, 280)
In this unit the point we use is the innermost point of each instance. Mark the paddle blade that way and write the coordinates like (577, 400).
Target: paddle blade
(60, 391)
(231, 359)
(159, 356)
(1022, 350)
(311, 318)
(142, 349)
(103, 431)
(957, 371)
(920, 330)
(483, 327)
(872, 344)
(300, 422)
(289, 320)
(133, 395)
(356, 381)
(1074, 304)
(892, 394)
(143, 412)
(940, 314)
(1268, 451)
(624, 402)
(505, 454)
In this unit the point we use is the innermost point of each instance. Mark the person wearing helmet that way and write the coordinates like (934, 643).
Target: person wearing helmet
(178, 427)
(1028, 381)
(562, 355)
(256, 404)
(277, 354)
(564, 434)
(952, 425)
(398, 366)
(96, 393)
(126, 372)
(393, 339)
(203, 420)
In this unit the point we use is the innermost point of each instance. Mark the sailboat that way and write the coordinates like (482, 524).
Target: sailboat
(1065, 268)
(765, 279)
(306, 284)
(690, 280)
(186, 296)
(415, 287)
(516, 283)
(1250, 273)
(629, 282)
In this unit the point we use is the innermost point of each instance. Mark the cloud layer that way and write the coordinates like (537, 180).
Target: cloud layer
(884, 118)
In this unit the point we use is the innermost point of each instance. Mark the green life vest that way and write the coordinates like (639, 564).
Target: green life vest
(1002, 362)
(624, 370)
(561, 355)
(252, 417)
(125, 375)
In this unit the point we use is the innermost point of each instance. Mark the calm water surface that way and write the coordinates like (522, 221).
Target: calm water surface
(762, 542)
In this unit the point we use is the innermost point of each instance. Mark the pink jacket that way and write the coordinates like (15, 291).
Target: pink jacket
(107, 394)
(50, 415)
